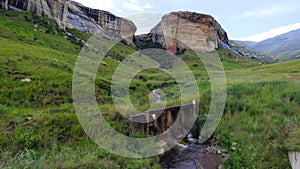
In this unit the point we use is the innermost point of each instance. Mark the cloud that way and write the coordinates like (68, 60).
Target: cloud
(118, 6)
(270, 33)
(148, 6)
(145, 21)
(281, 8)
(118, 10)
(135, 5)
(96, 4)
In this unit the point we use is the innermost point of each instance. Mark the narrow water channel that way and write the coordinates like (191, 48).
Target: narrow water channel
(183, 156)
(157, 96)
(189, 154)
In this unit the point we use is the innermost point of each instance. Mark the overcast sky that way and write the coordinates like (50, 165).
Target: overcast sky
(253, 20)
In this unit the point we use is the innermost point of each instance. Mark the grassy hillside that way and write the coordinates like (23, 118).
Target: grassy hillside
(261, 117)
(39, 127)
(283, 47)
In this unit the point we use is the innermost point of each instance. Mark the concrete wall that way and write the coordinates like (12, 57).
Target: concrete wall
(295, 159)
(165, 118)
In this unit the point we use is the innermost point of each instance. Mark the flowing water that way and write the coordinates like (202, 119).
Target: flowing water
(157, 96)
(184, 155)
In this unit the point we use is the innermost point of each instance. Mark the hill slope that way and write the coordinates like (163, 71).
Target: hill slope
(284, 47)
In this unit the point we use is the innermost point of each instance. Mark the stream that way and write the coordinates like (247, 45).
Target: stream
(189, 154)
(183, 155)
(157, 96)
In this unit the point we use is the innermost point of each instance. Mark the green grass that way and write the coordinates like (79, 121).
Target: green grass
(260, 117)
(39, 127)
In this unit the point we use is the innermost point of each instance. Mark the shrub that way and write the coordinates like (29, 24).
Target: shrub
(3, 109)
(28, 138)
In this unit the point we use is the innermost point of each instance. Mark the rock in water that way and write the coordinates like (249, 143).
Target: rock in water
(209, 161)
(196, 31)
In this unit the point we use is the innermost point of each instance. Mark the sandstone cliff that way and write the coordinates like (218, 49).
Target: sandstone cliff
(70, 14)
(114, 26)
(54, 9)
(188, 30)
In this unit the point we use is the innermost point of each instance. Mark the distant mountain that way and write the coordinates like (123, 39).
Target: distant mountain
(246, 44)
(283, 47)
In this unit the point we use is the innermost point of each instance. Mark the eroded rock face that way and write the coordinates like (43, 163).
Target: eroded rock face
(77, 19)
(54, 9)
(70, 14)
(114, 26)
(196, 31)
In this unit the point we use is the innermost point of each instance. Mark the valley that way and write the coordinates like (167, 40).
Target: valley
(38, 121)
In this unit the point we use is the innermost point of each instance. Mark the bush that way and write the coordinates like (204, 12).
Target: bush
(26, 56)
(3, 109)
(28, 138)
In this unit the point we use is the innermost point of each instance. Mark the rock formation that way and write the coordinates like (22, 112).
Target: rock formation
(188, 30)
(54, 9)
(70, 14)
(114, 26)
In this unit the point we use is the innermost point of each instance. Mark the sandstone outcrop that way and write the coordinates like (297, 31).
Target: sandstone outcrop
(70, 14)
(54, 9)
(115, 27)
(188, 30)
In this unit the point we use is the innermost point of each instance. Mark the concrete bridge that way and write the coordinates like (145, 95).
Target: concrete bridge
(160, 120)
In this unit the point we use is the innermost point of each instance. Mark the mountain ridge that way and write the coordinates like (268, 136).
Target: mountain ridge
(284, 46)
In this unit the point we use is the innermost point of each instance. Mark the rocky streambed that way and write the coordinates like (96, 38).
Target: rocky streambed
(189, 154)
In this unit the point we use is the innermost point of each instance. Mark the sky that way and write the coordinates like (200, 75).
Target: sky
(248, 20)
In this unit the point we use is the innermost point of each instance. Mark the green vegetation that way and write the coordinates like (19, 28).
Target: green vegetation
(259, 117)
(283, 47)
(39, 127)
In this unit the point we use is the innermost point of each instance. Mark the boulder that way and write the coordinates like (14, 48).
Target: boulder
(209, 161)
(26, 80)
(103, 63)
